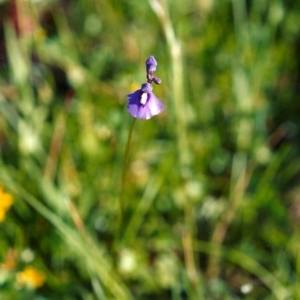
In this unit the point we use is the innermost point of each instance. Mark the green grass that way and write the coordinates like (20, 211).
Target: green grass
(204, 202)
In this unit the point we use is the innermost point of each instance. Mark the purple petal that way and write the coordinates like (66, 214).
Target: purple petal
(134, 102)
(152, 107)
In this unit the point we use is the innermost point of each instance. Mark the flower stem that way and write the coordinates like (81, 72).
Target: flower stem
(123, 179)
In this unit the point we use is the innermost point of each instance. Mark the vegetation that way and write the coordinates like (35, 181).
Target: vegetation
(205, 205)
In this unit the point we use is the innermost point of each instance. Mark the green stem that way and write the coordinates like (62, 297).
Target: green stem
(124, 172)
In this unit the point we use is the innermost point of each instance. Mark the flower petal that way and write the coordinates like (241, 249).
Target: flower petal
(154, 105)
(151, 108)
(134, 102)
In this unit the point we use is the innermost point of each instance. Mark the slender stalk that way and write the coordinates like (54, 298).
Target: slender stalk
(55, 148)
(279, 291)
(123, 178)
(241, 167)
(188, 251)
(176, 54)
(184, 155)
(241, 173)
(142, 207)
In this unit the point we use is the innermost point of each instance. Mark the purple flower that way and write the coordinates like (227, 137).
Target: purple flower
(143, 104)
(151, 64)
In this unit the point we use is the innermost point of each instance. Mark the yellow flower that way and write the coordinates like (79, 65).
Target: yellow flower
(6, 201)
(30, 277)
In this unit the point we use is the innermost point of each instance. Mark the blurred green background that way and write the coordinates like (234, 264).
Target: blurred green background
(211, 192)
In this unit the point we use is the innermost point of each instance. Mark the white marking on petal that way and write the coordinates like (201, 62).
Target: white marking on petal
(144, 98)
